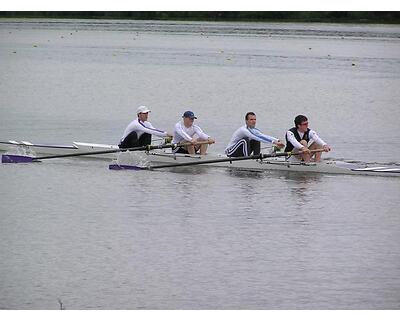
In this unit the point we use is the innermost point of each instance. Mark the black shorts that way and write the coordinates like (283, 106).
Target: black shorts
(132, 140)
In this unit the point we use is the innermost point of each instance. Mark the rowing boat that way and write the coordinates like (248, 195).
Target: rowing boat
(33, 149)
(145, 160)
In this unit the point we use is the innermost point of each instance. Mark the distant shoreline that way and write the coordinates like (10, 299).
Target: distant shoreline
(212, 16)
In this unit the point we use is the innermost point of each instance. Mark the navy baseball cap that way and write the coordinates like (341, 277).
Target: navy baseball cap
(189, 114)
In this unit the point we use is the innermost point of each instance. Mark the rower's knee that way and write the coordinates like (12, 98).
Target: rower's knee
(304, 143)
(314, 146)
(191, 150)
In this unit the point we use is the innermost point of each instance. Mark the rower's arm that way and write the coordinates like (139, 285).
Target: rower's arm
(316, 138)
(201, 133)
(291, 138)
(147, 127)
(256, 134)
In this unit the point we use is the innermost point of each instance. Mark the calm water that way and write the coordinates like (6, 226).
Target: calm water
(198, 238)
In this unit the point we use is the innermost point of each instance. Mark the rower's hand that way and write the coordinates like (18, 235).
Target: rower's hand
(211, 141)
(194, 141)
(279, 144)
(305, 150)
(326, 148)
(168, 139)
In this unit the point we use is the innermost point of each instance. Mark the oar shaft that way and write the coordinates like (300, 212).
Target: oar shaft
(143, 148)
(202, 162)
(9, 158)
(231, 159)
(89, 153)
(301, 152)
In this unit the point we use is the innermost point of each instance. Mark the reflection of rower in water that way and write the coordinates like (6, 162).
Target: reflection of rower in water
(301, 138)
(247, 139)
(138, 132)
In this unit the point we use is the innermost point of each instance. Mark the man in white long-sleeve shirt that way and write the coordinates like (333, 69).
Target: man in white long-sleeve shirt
(138, 133)
(247, 139)
(187, 132)
(301, 138)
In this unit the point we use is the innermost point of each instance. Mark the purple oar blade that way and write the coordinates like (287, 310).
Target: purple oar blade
(115, 166)
(12, 158)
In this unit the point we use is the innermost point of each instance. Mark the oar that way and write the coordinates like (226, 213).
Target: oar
(9, 158)
(253, 157)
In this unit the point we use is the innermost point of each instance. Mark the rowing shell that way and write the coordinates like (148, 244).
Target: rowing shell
(133, 160)
(130, 160)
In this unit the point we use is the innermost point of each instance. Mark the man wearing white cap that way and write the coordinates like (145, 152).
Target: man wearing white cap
(138, 132)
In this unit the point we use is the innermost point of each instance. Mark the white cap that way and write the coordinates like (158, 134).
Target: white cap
(142, 109)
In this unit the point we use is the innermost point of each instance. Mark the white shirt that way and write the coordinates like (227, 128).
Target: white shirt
(182, 133)
(312, 135)
(252, 134)
(141, 127)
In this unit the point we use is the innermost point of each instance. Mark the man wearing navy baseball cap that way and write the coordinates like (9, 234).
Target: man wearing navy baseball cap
(189, 114)
(186, 131)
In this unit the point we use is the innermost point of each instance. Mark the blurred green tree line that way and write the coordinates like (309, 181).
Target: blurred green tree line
(301, 16)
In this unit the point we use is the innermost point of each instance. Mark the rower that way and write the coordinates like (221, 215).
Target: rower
(302, 138)
(138, 132)
(186, 131)
(247, 139)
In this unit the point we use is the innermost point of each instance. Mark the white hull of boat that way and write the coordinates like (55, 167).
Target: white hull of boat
(32, 149)
(134, 159)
